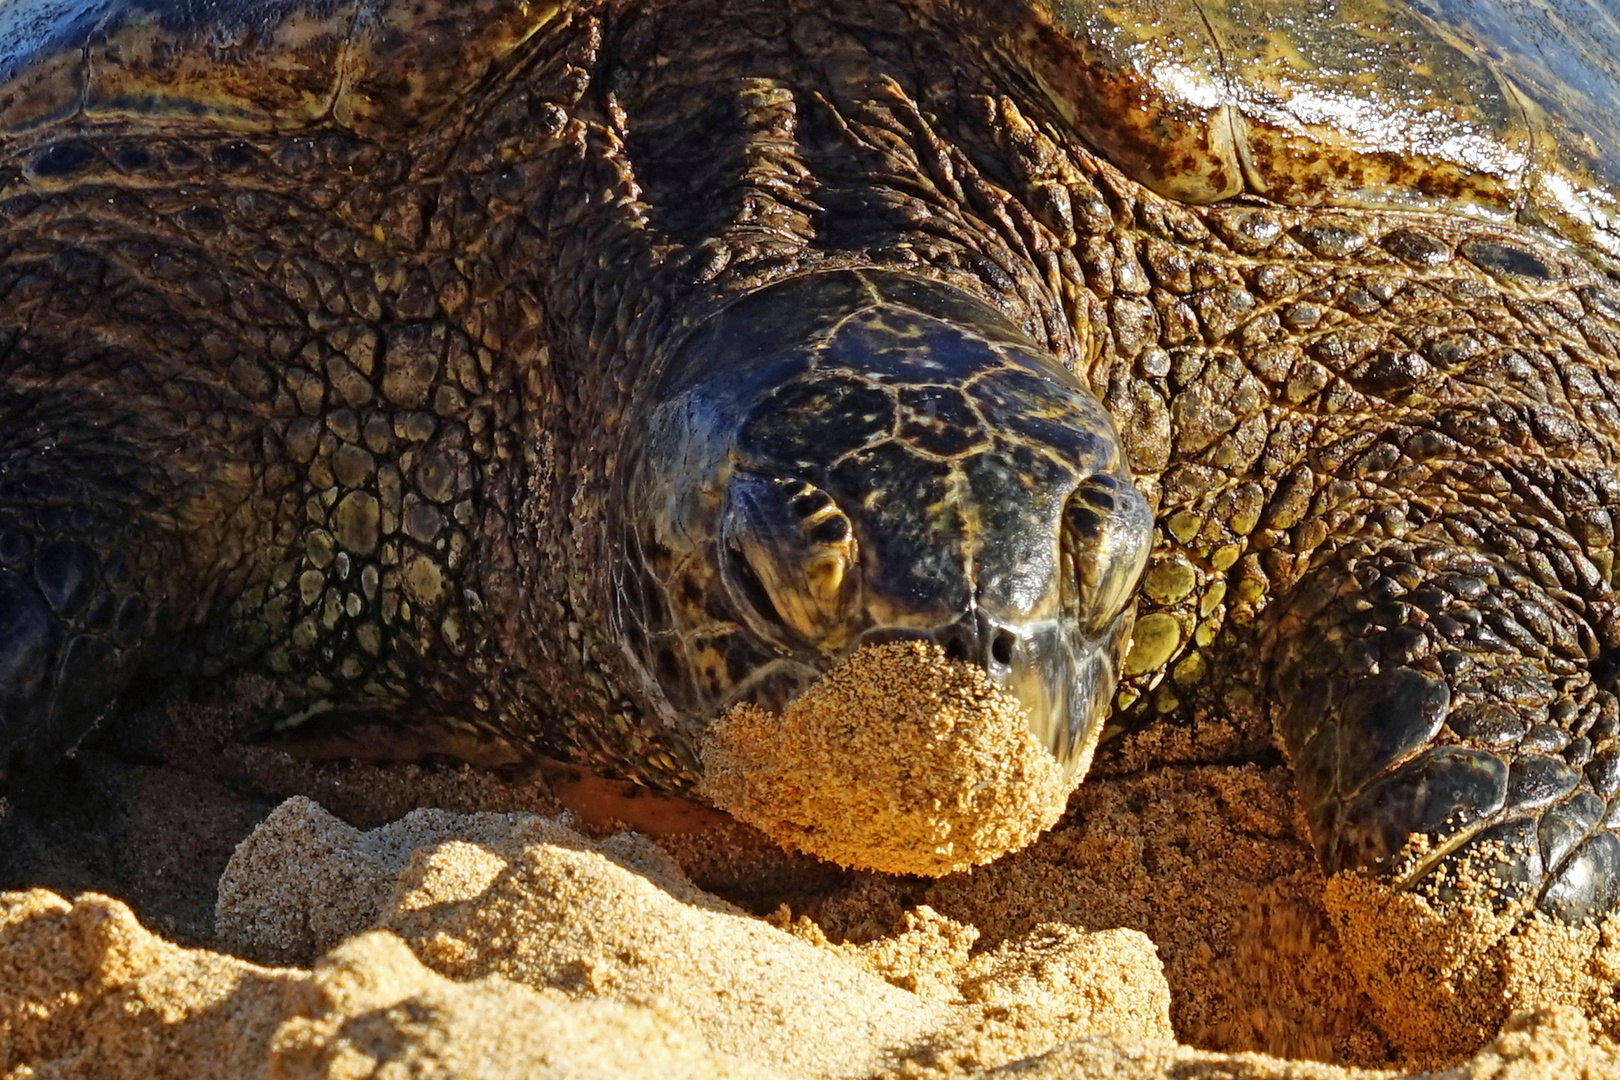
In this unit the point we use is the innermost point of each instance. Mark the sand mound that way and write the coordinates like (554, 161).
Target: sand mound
(527, 900)
(345, 876)
(1444, 980)
(514, 947)
(898, 760)
(87, 993)
(1038, 964)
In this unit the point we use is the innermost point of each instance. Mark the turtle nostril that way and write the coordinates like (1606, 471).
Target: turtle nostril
(1001, 648)
(956, 649)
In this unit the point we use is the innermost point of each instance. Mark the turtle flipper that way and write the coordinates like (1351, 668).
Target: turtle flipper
(80, 573)
(1451, 730)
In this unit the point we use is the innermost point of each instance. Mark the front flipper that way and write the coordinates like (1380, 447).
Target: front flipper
(1452, 729)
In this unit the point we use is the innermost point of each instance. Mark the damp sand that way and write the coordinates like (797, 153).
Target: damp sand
(1172, 924)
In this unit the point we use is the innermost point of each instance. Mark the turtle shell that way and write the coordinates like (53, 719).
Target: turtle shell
(1503, 109)
(378, 67)
(1499, 108)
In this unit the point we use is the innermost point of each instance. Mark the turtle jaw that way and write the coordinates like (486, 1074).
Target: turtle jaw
(1062, 677)
(1066, 687)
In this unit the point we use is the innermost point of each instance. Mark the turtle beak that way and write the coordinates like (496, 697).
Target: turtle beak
(1064, 681)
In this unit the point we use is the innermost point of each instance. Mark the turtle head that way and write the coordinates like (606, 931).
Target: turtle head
(859, 457)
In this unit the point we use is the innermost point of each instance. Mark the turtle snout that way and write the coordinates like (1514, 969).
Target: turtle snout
(975, 639)
(1062, 678)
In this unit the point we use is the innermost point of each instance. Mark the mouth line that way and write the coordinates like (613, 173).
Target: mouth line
(776, 684)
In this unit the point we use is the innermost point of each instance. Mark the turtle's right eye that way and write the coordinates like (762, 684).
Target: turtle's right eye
(789, 558)
(1107, 533)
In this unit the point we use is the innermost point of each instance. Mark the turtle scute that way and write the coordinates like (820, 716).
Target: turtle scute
(897, 760)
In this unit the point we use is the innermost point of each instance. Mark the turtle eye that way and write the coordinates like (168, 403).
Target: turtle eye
(1107, 533)
(789, 553)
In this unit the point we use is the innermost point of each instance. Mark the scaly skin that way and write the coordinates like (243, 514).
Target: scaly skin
(363, 397)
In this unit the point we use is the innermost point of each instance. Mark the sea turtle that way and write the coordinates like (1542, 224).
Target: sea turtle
(556, 376)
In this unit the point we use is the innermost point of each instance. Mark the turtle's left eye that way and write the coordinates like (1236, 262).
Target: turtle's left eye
(789, 556)
(1107, 533)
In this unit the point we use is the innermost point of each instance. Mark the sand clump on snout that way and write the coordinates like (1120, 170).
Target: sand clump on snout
(897, 760)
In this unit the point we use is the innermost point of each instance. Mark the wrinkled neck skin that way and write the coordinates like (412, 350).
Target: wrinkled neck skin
(672, 191)
(678, 189)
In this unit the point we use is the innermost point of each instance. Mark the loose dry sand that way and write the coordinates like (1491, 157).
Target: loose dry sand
(1173, 924)
(897, 760)
(87, 993)
(509, 945)
(527, 899)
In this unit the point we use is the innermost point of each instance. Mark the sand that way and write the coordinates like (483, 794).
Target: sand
(510, 945)
(1172, 924)
(88, 993)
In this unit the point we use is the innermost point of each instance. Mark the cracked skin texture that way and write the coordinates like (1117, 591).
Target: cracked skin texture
(326, 382)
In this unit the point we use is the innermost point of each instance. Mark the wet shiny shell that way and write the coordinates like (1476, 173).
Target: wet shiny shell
(1495, 108)
(378, 67)
(1501, 109)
